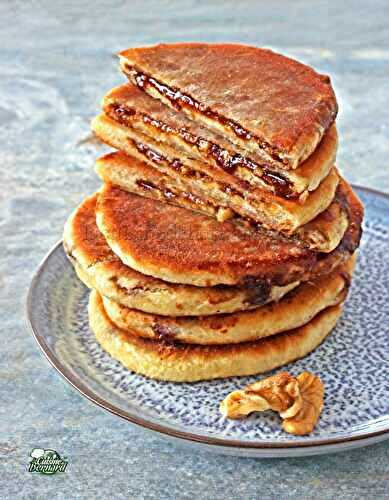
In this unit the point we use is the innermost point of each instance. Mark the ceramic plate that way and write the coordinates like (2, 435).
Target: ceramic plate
(353, 363)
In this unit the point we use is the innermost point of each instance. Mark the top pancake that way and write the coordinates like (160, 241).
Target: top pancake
(261, 100)
(182, 246)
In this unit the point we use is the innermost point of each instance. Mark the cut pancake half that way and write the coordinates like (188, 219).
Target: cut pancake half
(183, 246)
(323, 233)
(296, 309)
(163, 360)
(129, 106)
(219, 188)
(270, 105)
(99, 268)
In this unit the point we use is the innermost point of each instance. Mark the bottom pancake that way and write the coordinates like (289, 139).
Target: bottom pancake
(162, 360)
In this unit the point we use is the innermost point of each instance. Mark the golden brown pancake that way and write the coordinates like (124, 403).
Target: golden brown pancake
(324, 233)
(296, 309)
(182, 246)
(268, 104)
(131, 107)
(222, 188)
(163, 360)
(99, 268)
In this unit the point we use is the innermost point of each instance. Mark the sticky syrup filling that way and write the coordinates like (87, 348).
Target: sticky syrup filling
(189, 173)
(281, 185)
(169, 194)
(184, 171)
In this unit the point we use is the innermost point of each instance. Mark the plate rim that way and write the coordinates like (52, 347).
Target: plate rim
(189, 437)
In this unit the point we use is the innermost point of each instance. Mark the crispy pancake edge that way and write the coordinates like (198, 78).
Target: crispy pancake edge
(295, 309)
(184, 363)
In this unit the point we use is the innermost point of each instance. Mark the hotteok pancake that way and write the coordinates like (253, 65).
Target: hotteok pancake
(275, 108)
(296, 309)
(131, 107)
(182, 246)
(99, 268)
(221, 187)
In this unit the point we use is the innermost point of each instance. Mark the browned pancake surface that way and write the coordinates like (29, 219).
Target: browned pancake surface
(179, 245)
(98, 267)
(284, 104)
(87, 238)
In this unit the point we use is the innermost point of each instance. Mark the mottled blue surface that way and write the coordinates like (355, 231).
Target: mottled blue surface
(56, 63)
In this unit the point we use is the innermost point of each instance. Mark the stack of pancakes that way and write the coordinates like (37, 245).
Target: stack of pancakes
(222, 240)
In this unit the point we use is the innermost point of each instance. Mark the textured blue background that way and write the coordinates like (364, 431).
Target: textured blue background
(56, 61)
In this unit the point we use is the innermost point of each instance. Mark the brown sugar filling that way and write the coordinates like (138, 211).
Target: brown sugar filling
(189, 173)
(229, 162)
(184, 171)
(171, 195)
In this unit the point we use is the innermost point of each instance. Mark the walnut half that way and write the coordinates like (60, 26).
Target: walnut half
(312, 394)
(279, 393)
(299, 400)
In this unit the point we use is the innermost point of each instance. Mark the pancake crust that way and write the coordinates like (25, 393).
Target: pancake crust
(182, 246)
(324, 233)
(99, 268)
(275, 106)
(296, 309)
(131, 107)
(220, 187)
(188, 363)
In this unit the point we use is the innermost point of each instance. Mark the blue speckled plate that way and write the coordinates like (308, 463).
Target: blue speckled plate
(353, 363)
